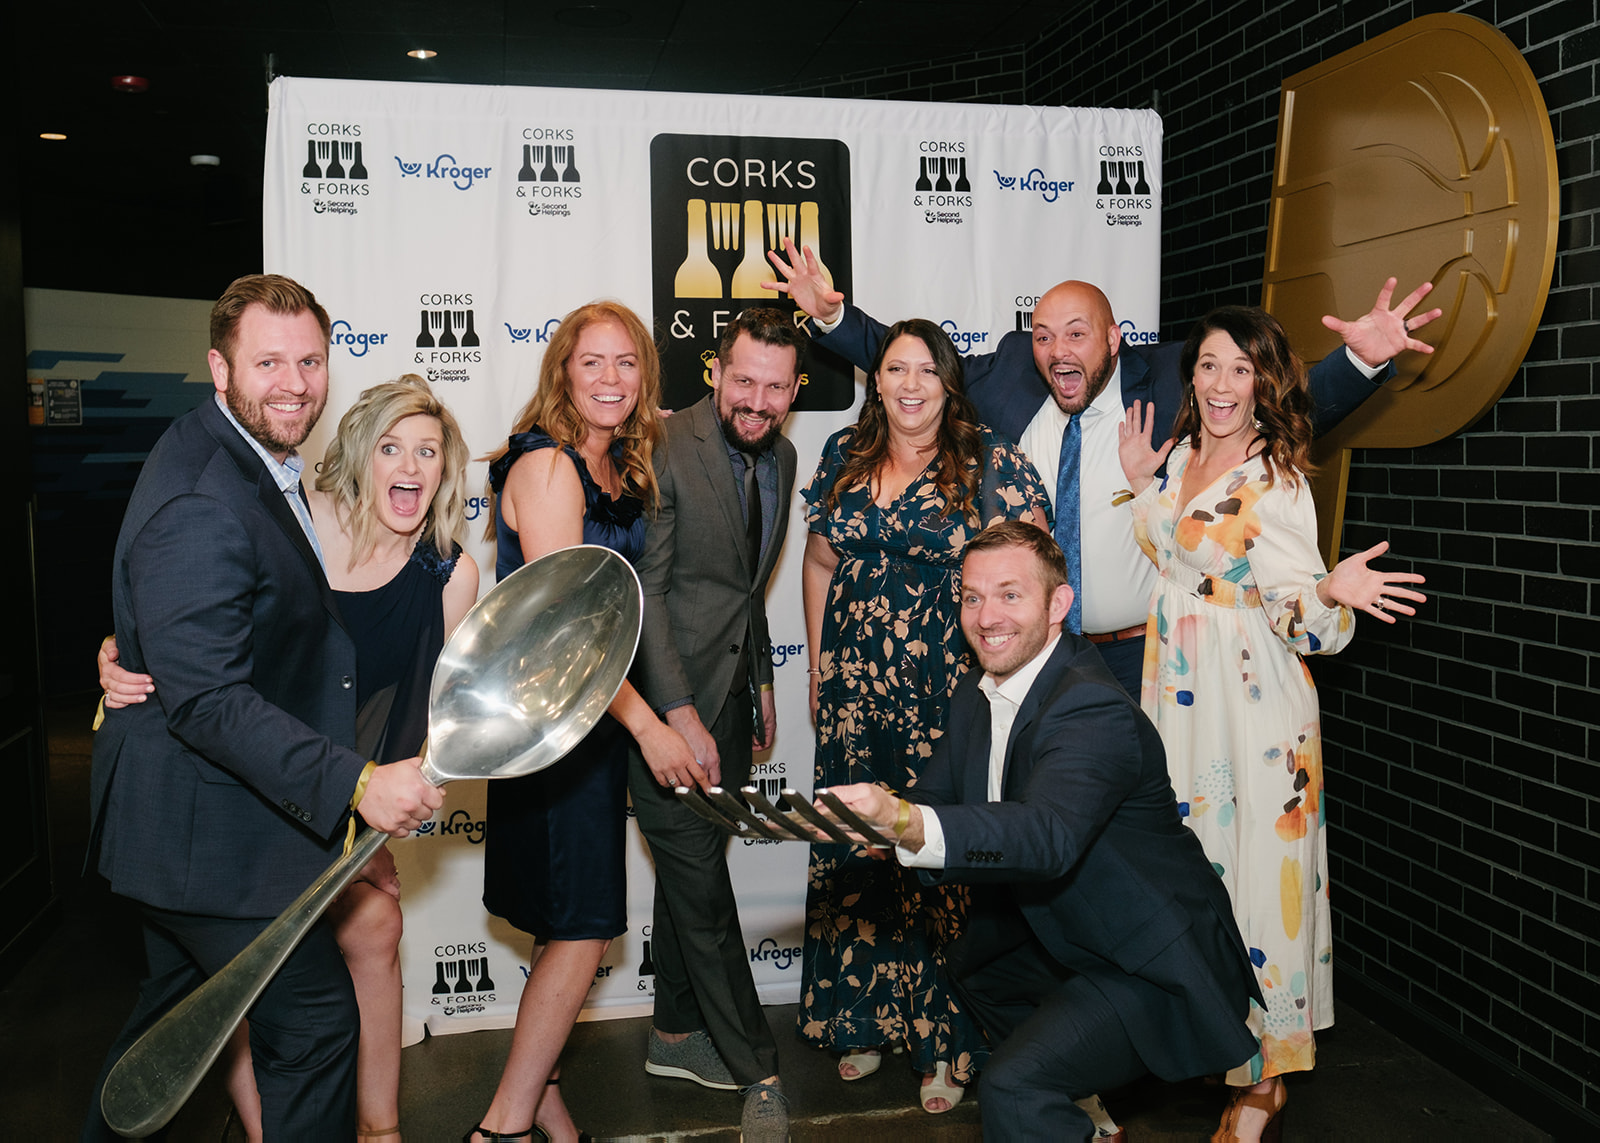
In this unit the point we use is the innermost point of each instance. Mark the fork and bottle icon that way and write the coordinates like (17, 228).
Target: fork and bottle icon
(323, 160)
(539, 163)
(462, 976)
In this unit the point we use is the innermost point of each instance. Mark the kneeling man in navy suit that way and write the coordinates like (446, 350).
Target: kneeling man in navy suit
(1101, 944)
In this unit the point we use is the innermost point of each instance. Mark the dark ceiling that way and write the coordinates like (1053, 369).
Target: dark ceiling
(118, 207)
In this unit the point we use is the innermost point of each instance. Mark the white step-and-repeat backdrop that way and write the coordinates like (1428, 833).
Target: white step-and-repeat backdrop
(448, 228)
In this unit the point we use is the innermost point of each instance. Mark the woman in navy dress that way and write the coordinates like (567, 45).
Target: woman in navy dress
(576, 470)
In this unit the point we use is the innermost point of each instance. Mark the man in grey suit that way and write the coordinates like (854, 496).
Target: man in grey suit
(705, 663)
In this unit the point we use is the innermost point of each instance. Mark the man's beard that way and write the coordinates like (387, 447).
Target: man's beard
(1096, 384)
(274, 438)
(730, 433)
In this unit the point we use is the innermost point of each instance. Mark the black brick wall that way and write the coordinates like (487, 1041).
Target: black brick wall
(1463, 785)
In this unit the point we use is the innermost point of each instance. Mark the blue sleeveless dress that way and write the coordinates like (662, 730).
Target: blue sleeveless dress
(554, 862)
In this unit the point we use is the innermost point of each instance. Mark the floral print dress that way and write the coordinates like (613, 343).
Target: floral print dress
(1235, 610)
(892, 653)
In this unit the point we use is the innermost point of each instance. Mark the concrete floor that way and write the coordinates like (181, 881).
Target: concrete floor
(61, 1011)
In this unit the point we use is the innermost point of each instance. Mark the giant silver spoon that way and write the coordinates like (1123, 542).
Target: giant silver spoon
(524, 677)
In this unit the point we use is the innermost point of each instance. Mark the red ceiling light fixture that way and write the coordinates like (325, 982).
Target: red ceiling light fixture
(130, 84)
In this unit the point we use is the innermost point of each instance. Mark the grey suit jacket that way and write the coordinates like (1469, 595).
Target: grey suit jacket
(700, 591)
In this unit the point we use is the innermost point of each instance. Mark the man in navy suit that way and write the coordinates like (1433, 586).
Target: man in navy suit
(220, 800)
(1073, 365)
(1101, 945)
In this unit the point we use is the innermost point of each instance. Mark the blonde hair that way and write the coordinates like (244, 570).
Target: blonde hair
(553, 411)
(345, 470)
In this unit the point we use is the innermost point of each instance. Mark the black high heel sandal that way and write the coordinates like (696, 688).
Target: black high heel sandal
(534, 1134)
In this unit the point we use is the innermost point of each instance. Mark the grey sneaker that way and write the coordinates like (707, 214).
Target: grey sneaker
(766, 1114)
(694, 1059)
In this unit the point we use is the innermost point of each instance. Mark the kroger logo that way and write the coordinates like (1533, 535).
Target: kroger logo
(1034, 180)
(444, 167)
(768, 952)
(459, 822)
(356, 343)
(1133, 335)
(476, 506)
(781, 652)
(964, 339)
(539, 334)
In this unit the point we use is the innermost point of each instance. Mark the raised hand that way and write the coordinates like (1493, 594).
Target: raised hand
(1141, 460)
(806, 280)
(1383, 333)
(1354, 584)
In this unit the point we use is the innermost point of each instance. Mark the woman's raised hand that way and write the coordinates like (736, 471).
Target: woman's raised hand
(1141, 460)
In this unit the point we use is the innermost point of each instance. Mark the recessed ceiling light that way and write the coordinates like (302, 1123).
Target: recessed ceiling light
(204, 161)
(53, 136)
(422, 53)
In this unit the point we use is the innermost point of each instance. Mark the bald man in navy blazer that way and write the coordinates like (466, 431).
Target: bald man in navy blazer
(1101, 944)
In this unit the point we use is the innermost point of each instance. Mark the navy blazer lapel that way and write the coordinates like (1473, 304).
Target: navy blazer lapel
(271, 497)
(1043, 686)
(975, 782)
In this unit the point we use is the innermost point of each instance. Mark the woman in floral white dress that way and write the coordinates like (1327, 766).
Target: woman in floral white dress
(1243, 596)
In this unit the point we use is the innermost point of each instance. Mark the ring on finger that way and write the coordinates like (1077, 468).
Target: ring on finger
(1380, 603)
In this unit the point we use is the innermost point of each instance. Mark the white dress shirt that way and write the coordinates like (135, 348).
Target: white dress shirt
(1005, 699)
(1117, 577)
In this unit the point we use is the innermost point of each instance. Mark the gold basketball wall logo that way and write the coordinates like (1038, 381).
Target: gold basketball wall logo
(718, 203)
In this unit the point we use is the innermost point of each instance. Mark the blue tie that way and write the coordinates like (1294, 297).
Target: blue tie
(1069, 514)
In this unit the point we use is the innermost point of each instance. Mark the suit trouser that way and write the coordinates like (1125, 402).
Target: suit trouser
(1056, 1038)
(303, 1029)
(701, 960)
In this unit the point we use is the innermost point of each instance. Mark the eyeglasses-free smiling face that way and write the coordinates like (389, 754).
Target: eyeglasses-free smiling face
(912, 391)
(1225, 390)
(1006, 613)
(603, 375)
(277, 382)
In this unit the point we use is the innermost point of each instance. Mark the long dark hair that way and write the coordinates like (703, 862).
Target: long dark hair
(959, 442)
(1282, 391)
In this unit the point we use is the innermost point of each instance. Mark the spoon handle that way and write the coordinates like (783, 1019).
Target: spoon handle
(156, 1076)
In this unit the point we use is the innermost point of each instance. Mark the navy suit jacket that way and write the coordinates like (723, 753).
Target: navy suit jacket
(1088, 843)
(223, 794)
(1006, 387)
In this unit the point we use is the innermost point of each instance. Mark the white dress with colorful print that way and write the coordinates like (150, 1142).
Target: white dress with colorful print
(1235, 610)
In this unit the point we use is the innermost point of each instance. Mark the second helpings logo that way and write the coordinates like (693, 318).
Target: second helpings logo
(1035, 182)
(446, 166)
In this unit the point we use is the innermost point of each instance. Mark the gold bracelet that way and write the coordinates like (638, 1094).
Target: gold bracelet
(361, 784)
(766, 688)
(903, 820)
(355, 800)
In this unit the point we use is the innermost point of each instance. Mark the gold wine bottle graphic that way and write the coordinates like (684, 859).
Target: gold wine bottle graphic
(752, 269)
(697, 277)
